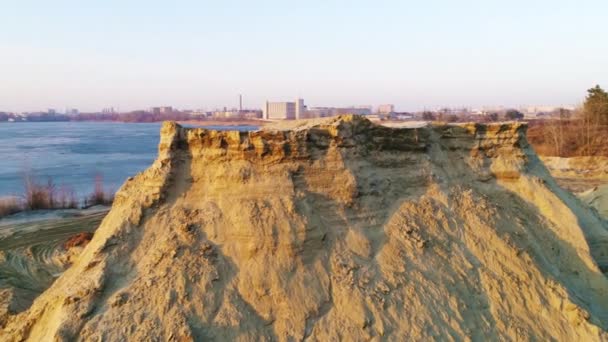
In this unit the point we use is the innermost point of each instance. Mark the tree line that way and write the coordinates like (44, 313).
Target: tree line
(579, 133)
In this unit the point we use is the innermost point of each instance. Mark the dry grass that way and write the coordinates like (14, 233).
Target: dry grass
(47, 195)
(99, 196)
(38, 196)
(9, 206)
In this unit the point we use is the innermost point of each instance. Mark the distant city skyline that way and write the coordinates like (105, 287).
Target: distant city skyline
(289, 110)
(379, 108)
(196, 54)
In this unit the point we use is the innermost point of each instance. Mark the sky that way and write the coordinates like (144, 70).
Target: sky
(132, 54)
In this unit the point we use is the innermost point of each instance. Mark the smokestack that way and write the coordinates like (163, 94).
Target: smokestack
(240, 103)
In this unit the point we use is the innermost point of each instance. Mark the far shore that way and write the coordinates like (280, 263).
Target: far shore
(245, 122)
(225, 122)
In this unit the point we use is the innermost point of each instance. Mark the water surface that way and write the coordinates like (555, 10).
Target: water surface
(72, 154)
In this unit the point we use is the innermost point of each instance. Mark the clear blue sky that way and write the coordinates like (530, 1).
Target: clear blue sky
(201, 54)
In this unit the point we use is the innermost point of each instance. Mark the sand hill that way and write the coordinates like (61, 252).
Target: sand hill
(336, 230)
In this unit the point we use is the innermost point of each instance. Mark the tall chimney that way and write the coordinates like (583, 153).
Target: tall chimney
(240, 103)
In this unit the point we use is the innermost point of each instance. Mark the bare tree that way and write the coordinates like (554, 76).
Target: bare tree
(554, 132)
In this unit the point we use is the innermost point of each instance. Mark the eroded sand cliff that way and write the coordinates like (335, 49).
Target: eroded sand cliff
(338, 229)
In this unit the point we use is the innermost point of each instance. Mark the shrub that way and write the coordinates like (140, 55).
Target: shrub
(38, 196)
(9, 206)
(99, 196)
(513, 114)
(66, 198)
(80, 239)
(428, 116)
(48, 196)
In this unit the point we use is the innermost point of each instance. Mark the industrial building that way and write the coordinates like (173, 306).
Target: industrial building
(297, 110)
(161, 110)
(285, 110)
(385, 109)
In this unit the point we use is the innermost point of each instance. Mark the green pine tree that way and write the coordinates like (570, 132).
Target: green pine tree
(596, 106)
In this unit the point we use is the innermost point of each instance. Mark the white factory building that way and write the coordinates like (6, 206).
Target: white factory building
(297, 110)
(284, 110)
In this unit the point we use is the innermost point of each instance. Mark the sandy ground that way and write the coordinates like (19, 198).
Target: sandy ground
(578, 174)
(32, 254)
(597, 197)
(587, 177)
(404, 124)
(33, 221)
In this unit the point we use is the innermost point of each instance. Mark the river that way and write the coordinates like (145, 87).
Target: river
(73, 154)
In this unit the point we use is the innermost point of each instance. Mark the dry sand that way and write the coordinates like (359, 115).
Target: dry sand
(336, 230)
(597, 198)
(578, 174)
(587, 177)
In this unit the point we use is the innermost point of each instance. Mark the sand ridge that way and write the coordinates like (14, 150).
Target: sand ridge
(336, 229)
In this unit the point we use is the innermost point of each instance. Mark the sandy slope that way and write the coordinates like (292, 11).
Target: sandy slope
(336, 230)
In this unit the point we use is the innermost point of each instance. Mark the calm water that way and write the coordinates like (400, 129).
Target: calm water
(73, 153)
